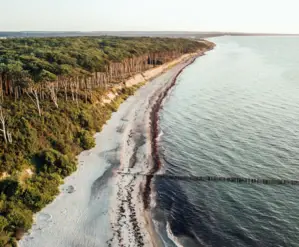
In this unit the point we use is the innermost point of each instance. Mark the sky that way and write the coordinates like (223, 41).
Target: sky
(271, 16)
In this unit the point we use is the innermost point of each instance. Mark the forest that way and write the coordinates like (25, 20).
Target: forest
(51, 91)
(81, 62)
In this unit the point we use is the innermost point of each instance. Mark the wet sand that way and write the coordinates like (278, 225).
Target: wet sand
(132, 224)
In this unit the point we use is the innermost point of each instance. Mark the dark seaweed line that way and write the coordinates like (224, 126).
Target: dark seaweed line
(154, 116)
(270, 181)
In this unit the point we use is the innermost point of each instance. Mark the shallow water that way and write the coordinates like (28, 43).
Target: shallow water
(233, 113)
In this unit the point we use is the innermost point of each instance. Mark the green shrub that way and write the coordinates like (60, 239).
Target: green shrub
(52, 161)
(19, 218)
(3, 223)
(85, 120)
(9, 187)
(5, 239)
(116, 103)
(60, 145)
(32, 198)
(41, 189)
(86, 140)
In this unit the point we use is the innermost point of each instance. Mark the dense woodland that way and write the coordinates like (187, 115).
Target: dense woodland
(80, 63)
(51, 91)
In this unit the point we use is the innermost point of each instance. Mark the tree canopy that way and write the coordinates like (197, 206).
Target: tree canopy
(43, 59)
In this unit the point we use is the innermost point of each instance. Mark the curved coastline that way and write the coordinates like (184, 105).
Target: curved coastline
(102, 194)
(156, 162)
(155, 133)
(134, 192)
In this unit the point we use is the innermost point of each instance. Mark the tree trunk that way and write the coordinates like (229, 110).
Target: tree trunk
(9, 137)
(1, 88)
(2, 120)
(36, 101)
(53, 95)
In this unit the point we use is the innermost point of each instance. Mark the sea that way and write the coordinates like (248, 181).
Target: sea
(233, 113)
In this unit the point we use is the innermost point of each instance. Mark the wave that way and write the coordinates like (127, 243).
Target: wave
(170, 235)
(159, 135)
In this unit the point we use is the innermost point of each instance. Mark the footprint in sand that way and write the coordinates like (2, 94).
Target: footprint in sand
(43, 220)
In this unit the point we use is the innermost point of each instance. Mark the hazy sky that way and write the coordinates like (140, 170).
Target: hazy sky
(173, 15)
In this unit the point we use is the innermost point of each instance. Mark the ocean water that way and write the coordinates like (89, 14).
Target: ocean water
(233, 113)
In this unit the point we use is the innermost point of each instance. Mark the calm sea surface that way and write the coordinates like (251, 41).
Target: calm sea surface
(233, 113)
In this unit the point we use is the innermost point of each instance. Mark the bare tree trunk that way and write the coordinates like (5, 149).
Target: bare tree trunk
(36, 101)
(9, 137)
(53, 95)
(65, 83)
(77, 91)
(1, 88)
(72, 86)
(2, 120)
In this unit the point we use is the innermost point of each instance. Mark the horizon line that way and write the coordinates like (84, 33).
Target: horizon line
(176, 31)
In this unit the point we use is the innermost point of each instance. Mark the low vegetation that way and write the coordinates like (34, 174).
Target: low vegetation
(48, 145)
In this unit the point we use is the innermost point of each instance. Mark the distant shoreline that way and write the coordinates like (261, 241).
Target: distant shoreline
(170, 34)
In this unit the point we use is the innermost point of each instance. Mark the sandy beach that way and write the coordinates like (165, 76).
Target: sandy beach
(102, 203)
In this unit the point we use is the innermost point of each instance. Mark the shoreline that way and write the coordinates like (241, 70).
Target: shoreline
(155, 154)
(82, 217)
(155, 132)
(139, 189)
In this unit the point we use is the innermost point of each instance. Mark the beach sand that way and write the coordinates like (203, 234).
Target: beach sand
(99, 205)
